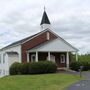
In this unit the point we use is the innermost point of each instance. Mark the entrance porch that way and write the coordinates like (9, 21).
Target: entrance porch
(62, 59)
(55, 50)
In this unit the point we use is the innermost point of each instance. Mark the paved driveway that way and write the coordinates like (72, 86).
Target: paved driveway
(83, 84)
(86, 75)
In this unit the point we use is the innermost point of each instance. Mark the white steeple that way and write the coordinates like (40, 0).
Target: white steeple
(45, 23)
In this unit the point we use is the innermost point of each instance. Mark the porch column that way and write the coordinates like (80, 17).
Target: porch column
(67, 60)
(36, 56)
(49, 56)
(76, 56)
(27, 57)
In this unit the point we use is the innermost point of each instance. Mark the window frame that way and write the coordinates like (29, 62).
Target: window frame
(33, 55)
(62, 58)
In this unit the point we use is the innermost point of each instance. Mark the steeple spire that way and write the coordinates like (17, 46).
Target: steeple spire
(45, 19)
(44, 8)
(45, 23)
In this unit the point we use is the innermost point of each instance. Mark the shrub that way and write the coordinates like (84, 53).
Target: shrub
(42, 67)
(75, 66)
(15, 68)
(25, 68)
(86, 66)
(33, 68)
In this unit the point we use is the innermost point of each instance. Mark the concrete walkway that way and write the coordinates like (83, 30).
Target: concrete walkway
(67, 71)
(83, 84)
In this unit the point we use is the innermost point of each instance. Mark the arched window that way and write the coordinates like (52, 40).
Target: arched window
(62, 58)
(52, 58)
(33, 58)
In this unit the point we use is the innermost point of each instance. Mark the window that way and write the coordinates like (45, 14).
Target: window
(52, 57)
(33, 58)
(62, 58)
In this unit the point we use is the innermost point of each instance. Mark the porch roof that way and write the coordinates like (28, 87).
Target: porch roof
(57, 45)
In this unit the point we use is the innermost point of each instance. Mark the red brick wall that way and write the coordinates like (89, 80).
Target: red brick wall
(34, 42)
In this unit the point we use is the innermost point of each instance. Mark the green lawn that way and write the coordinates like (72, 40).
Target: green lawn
(37, 82)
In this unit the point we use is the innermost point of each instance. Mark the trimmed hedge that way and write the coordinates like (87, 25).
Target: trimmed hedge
(76, 66)
(33, 68)
(15, 68)
(25, 68)
(42, 67)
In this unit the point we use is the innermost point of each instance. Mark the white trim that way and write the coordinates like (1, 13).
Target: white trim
(27, 57)
(52, 58)
(48, 35)
(36, 35)
(63, 40)
(67, 59)
(45, 26)
(52, 46)
(49, 58)
(7, 47)
(50, 51)
(62, 58)
(33, 55)
(36, 56)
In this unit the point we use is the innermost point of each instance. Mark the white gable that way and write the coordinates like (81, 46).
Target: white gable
(57, 45)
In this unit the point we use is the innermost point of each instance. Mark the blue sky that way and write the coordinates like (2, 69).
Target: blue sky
(69, 18)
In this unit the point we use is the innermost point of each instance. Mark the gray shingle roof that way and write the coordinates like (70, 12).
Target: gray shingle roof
(20, 41)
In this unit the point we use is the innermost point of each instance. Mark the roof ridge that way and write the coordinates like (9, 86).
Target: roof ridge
(22, 40)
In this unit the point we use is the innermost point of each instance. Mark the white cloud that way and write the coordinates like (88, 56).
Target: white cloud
(69, 18)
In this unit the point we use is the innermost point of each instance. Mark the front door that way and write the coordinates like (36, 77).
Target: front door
(63, 60)
(57, 59)
(60, 60)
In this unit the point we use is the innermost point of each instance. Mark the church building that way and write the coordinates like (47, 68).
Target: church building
(45, 45)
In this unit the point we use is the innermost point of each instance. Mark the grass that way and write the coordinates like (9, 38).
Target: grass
(38, 82)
